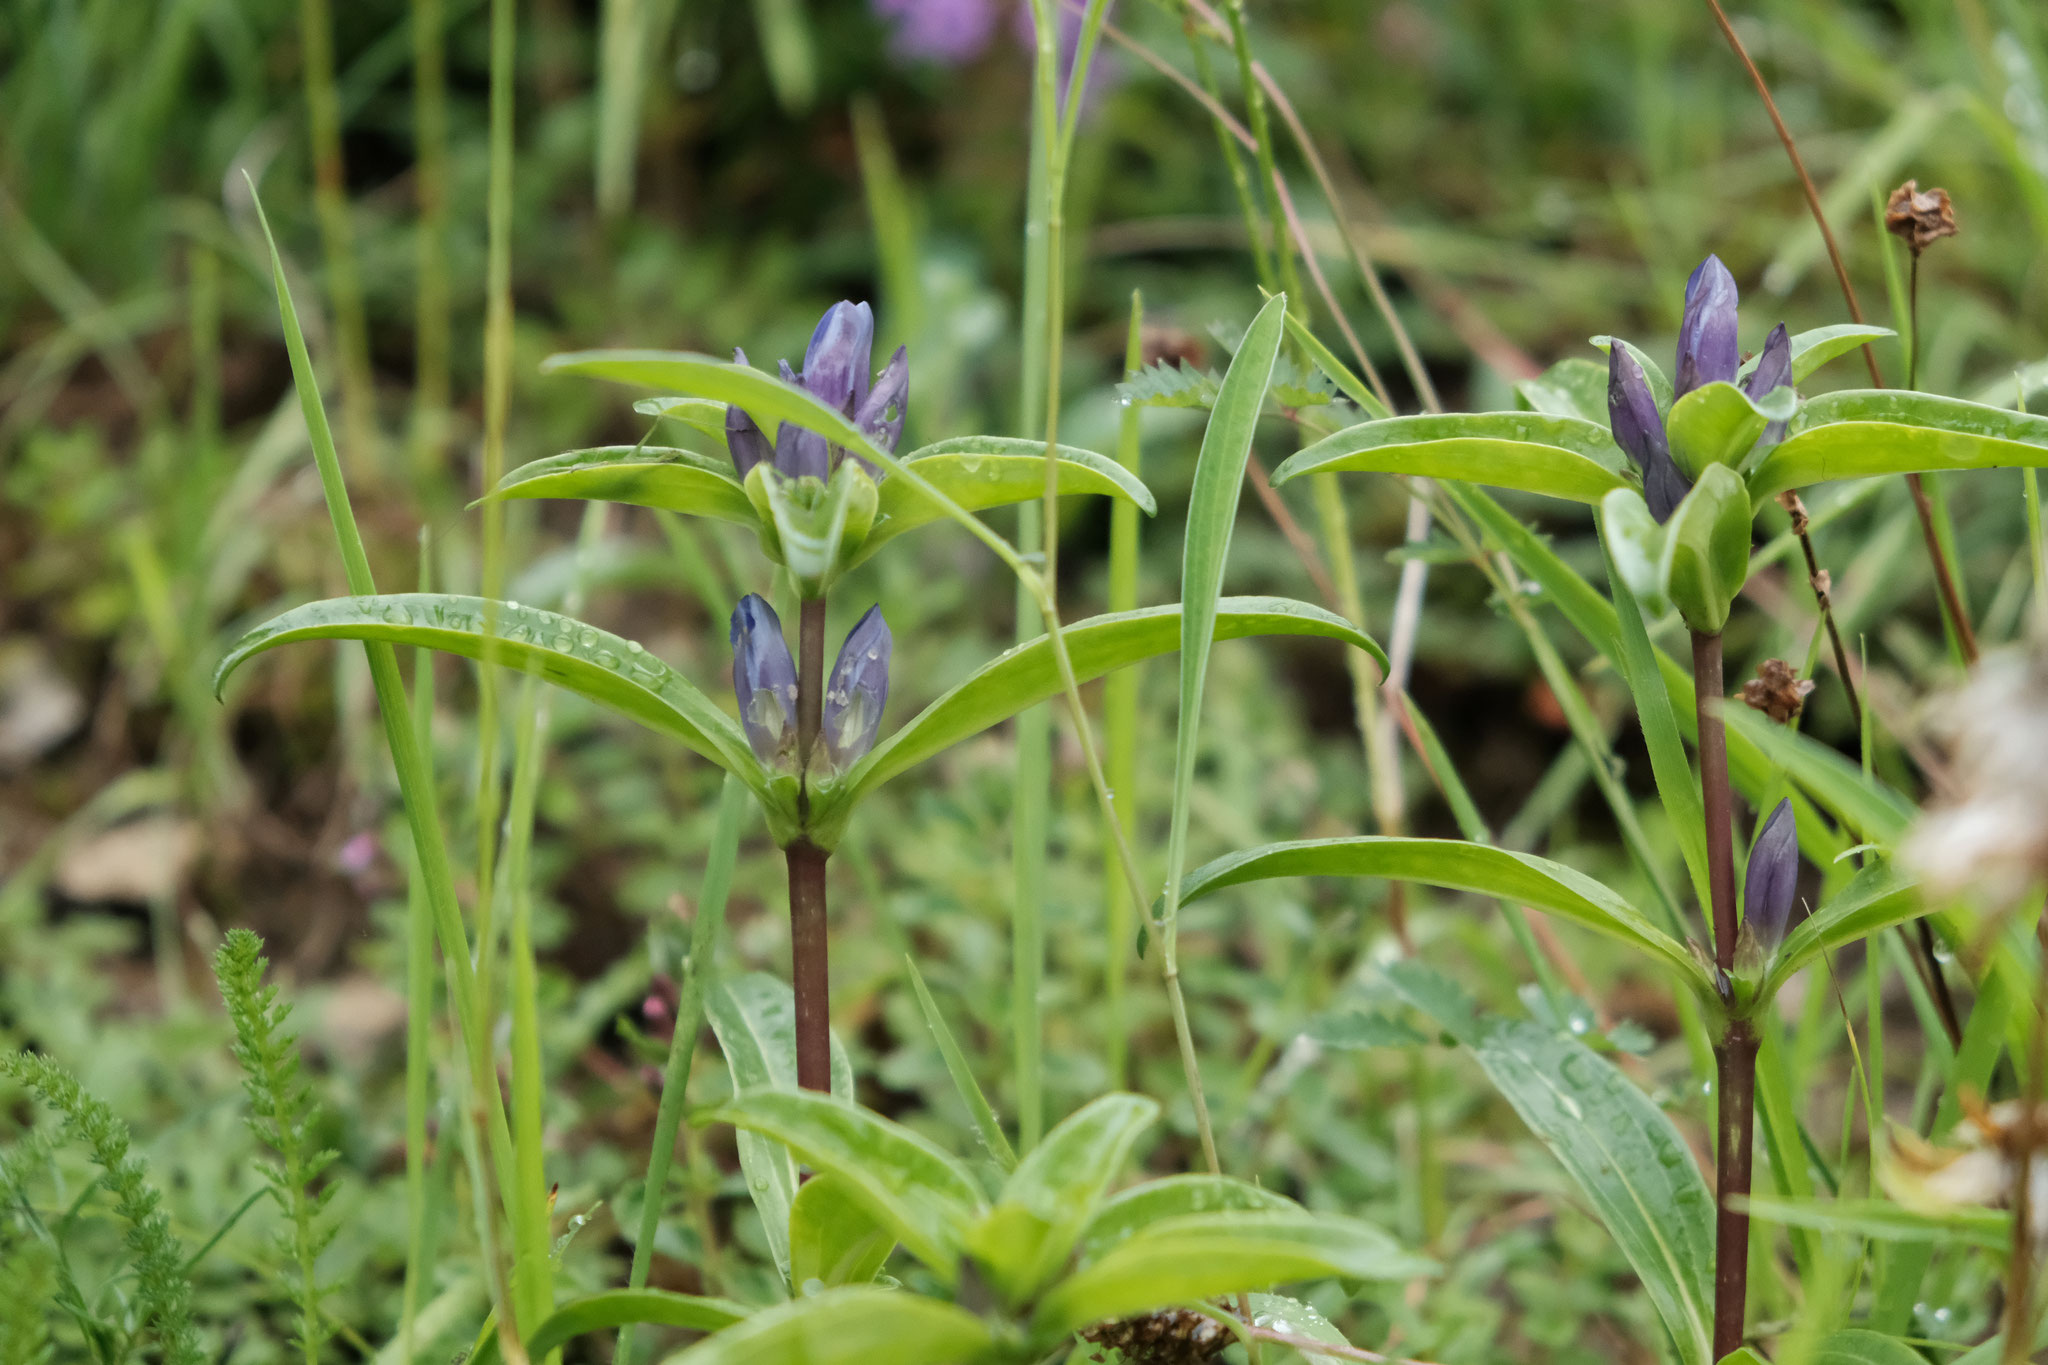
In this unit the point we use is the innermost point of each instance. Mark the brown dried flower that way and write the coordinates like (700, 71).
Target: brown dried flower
(1777, 690)
(1919, 219)
(1171, 1336)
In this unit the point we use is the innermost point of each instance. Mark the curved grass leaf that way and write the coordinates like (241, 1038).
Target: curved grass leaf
(1522, 878)
(1029, 674)
(669, 478)
(1177, 1196)
(1877, 899)
(618, 1308)
(1867, 805)
(613, 672)
(1862, 432)
(832, 1238)
(1620, 1148)
(852, 1326)
(1058, 1185)
(986, 1125)
(903, 1181)
(1561, 457)
(753, 1016)
(977, 472)
(1883, 1221)
(1200, 1257)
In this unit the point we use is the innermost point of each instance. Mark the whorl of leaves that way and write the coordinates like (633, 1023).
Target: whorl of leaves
(281, 1115)
(163, 1297)
(1180, 385)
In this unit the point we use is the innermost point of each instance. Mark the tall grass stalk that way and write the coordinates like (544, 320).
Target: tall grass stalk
(1120, 725)
(433, 323)
(419, 1004)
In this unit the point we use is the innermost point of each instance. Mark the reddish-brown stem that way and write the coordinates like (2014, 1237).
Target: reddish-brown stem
(809, 952)
(1951, 600)
(1735, 1096)
(810, 674)
(1708, 691)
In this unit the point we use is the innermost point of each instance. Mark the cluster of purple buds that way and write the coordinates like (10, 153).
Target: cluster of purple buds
(836, 373)
(1707, 353)
(1772, 879)
(764, 680)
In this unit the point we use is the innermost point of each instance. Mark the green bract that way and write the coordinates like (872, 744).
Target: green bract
(1706, 549)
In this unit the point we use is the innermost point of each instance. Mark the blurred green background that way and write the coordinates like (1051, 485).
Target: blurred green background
(701, 174)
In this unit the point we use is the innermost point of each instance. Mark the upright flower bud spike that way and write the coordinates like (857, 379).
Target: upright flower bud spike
(742, 436)
(836, 364)
(799, 452)
(1772, 878)
(763, 679)
(1632, 416)
(881, 414)
(1707, 350)
(857, 690)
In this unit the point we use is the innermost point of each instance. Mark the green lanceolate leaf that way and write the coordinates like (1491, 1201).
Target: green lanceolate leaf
(702, 413)
(613, 672)
(1029, 674)
(1714, 424)
(991, 471)
(1536, 452)
(754, 1018)
(832, 1237)
(1056, 1188)
(1456, 865)
(813, 527)
(986, 1126)
(1706, 548)
(1576, 387)
(1660, 383)
(1877, 899)
(904, 1182)
(1200, 1257)
(853, 1326)
(1858, 433)
(618, 1308)
(1621, 1149)
(1811, 350)
(646, 476)
(1876, 812)
(1176, 1196)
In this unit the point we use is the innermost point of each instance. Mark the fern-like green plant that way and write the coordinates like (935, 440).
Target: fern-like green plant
(163, 1296)
(282, 1116)
(29, 1271)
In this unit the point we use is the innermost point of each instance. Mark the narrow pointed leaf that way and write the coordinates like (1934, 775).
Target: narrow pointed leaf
(1620, 1148)
(1455, 865)
(671, 479)
(1535, 452)
(1883, 1221)
(1029, 674)
(1858, 433)
(1207, 1255)
(1347, 382)
(851, 1326)
(613, 672)
(1060, 1182)
(985, 1124)
(977, 472)
(1867, 805)
(1176, 1196)
(1877, 899)
(1811, 350)
(615, 1308)
(906, 1184)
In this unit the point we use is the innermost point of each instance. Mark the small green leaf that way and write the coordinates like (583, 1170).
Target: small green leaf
(1706, 548)
(1176, 1196)
(1714, 424)
(990, 471)
(1454, 864)
(1660, 383)
(904, 1182)
(615, 673)
(1877, 899)
(853, 1326)
(1356, 1031)
(753, 1015)
(1637, 544)
(1201, 1257)
(1029, 674)
(1811, 350)
(618, 1308)
(1561, 457)
(1858, 433)
(1574, 387)
(1621, 1150)
(646, 476)
(832, 1237)
(1058, 1185)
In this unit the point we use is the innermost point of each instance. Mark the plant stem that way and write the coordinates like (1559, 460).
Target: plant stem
(330, 201)
(810, 972)
(1735, 1094)
(431, 323)
(1817, 579)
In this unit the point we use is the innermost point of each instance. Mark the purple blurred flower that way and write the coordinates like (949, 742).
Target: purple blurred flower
(949, 32)
(763, 679)
(836, 371)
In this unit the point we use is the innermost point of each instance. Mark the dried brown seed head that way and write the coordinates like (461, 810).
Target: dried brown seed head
(1919, 219)
(1777, 690)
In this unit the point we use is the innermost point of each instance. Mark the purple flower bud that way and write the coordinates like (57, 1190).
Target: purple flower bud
(1773, 371)
(857, 690)
(742, 437)
(763, 679)
(1707, 351)
(799, 452)
(1772, 878)
(836, 365)
(1632, 417)
(881, 416)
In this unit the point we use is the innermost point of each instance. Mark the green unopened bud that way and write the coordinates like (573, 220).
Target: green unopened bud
(812, 526)
(1706, 549)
